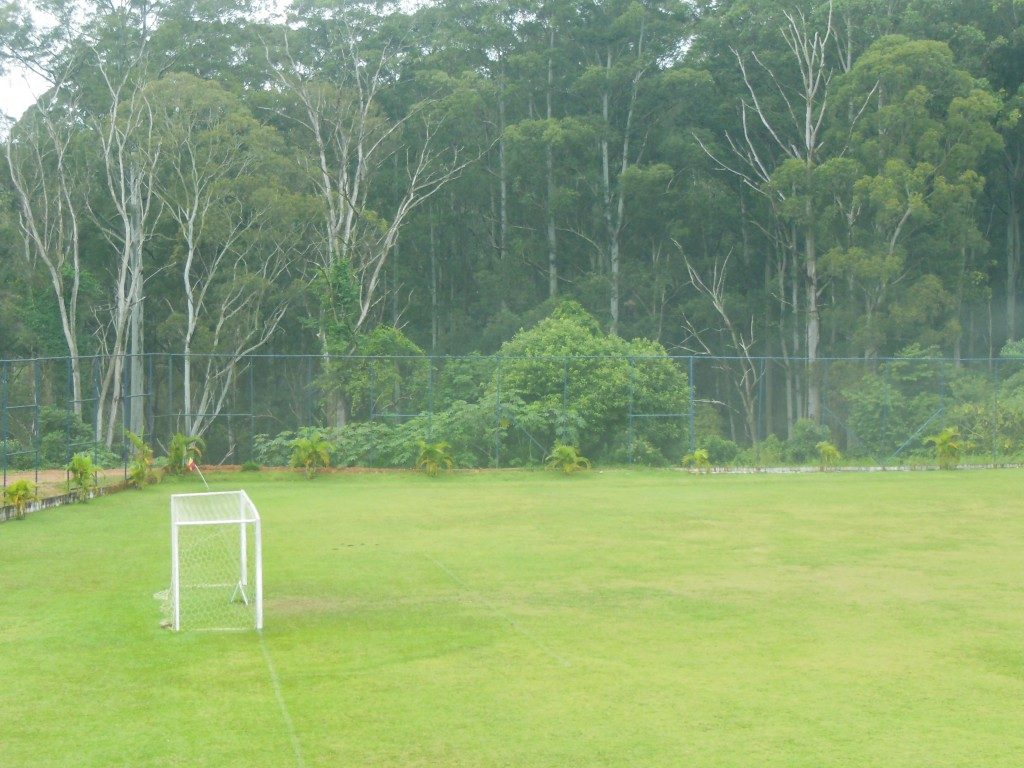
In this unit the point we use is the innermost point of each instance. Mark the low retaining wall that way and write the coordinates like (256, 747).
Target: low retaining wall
(7, 513)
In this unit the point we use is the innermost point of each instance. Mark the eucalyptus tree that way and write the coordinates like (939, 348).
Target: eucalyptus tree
(90, 56)
(48, 193)
(220, 182)
(116, 58)
(626, 45)
(43, 152)
(337, 74)
(912, 174)
(987, 40)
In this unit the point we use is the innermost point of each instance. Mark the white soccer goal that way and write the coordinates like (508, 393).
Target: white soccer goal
(216, 562)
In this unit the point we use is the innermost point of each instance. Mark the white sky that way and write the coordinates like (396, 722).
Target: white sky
(18, 91)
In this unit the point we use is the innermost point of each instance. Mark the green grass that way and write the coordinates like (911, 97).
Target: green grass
(527, 619)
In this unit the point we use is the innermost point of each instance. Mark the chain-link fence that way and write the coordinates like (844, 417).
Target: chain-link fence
(505, 411)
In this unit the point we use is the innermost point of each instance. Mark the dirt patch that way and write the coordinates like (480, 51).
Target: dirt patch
(300, 606)
(213, 468)
(54, 482)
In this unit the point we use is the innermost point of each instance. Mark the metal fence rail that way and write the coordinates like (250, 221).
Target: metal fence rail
(506, 411)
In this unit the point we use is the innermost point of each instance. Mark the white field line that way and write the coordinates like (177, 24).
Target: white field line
(275, 683)
(497, 611)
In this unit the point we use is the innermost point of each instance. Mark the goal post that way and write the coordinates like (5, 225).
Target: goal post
(216, 562)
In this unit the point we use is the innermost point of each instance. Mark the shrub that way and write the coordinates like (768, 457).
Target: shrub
(566, 365)
(251, 466)
(462, 378)
(389, 375)
(948, 447)
(182, 449)
(13, 455)
(311, 453)
(62, 432)
(768, 452)
(140, 468)
(567, 459)
(828, 455)
(642, 451)
(19, 495)
(802, 446)
(434, 457)
(720, 450)
(83, 475)
(886, 405)
(273, 451)
(699, 460)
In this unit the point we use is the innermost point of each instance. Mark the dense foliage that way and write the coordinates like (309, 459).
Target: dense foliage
(796, 179)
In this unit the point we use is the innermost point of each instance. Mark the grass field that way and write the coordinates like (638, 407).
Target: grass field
(524, 619)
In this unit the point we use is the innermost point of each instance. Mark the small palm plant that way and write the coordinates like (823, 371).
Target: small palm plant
(311, 453)
(567, 459)
(181, 450)
(947, 447)
(828, 455)
(434, 457)
(19, 495)
(83, 475)
(140, 469)
(700, 460)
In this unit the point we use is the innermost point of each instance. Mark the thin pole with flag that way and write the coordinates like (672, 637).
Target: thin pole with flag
(193, 467)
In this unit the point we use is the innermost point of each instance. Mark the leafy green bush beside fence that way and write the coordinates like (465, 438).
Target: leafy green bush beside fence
(61, 434)
(561, 381)
(596, 391)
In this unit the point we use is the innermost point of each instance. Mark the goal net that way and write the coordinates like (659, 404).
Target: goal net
(216, 562)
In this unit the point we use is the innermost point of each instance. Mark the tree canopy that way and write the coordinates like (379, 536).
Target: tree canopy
(749, 178)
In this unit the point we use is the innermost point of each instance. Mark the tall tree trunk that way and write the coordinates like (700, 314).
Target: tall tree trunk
(1013, 256)
(137, 384)
(794, 289)
(502, 172)
(433, 287)
(49, 224)
(613, 239)
(550, 170)
(813, 319)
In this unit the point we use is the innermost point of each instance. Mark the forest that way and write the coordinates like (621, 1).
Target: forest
(788, 179)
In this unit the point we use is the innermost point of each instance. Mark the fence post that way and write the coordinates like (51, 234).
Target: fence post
(693, 427)
(252, 407)
(995, 411)
(96, 437)
(885, 410)
(150, 394)
(124, 415)
(430, 398)
(5, 375)
(497, 414)
(942, 393)
(309, 391)
(372, 379)
(69, 413)
(629, 430)
(565, 384)
(763, 405)
(36, 427)
(826, 411)
(170, 386)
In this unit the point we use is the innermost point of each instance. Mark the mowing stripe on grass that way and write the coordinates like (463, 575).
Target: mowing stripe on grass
(500, 613)
(275, 682)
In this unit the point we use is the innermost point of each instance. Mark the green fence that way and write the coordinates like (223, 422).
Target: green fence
(505, 411)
